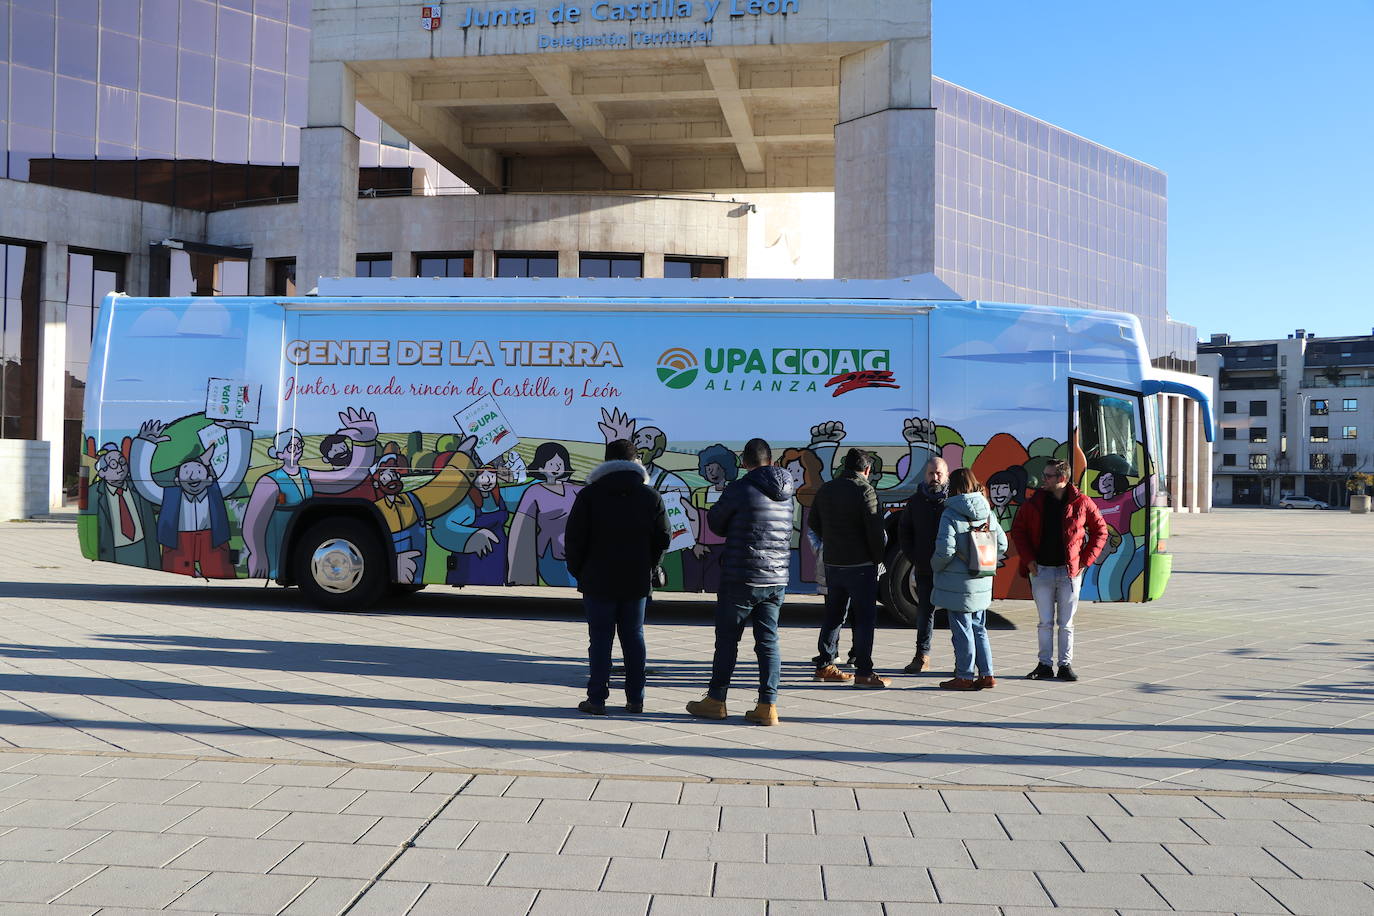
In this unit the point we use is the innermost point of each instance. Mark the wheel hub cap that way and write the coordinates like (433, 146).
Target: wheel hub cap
(337, 566)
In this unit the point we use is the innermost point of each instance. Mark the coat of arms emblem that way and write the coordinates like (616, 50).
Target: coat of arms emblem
(431, 15)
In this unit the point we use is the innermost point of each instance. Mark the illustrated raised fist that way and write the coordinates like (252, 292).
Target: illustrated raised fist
(916, 429)
(829, 431)
(358, 424)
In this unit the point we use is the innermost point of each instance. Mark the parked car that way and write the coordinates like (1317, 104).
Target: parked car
(1302, 502)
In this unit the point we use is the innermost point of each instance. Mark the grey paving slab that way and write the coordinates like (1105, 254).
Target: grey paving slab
(715, 846)
(307, 798)
(1336, 812)
(659, 876)
(49, 812)
(673, 817)
(396, 804)
(1211, 893)
(1126, 829)
(635, 842)
(996, 888)
(1023, 855)
(486, 808)
(228, 822)
(955, 826)
(441, 834)
(447, 899)
(1354, 864)
(305, 825)
(37, 882)
(697, 793)
(445, 866)
(1114, 891)
(922, 851)
(335, 860)
(586, 903)
(1321, 898)
(392, 831)
(798, 849)
(1332, 836)
(900, 800)
(770, 882)
(505, 837)
(1247, 861)
(885, 883)
(1261, 809)
(565, 811)
(1075, 803)
(531, 869)
(1163, 805)
(388, 897)
(862, 823)
(546, 787)
(124, 847)
(1239, 833)
(991, 802)
(134, 816)
(116, 885)
(243, 893)
(671, 905)
(226, 854)
(44, 844)
(826, 908)
(1124, 857)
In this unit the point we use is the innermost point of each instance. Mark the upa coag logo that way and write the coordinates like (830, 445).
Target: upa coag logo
(677, 368)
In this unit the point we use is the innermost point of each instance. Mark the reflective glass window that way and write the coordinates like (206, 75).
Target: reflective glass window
(118, 60)
(231, 87)
(119, 16)
(235, 39)
(611, 265)
(444, 264)
(31, 94)
(693, 268)
(373, 265)
(32, 36)
(76, 107)
(269, 44)
(277, 9)
(513, 264)
(198, 26)
(78, 50)
(90, 277)
(269, 95)
(283, 272)
(118, 116)
(195, 130)
(20, 273)
(160, 20)
(231, 137)
(158, 69)
(157, 125)
(196, 80)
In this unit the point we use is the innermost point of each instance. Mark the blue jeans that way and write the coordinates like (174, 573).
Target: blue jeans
(606, 616)
(970, 638)
(736, 606)
(925, 613)
(849, 590)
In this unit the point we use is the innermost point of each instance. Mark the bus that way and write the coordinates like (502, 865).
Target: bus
(382, 435)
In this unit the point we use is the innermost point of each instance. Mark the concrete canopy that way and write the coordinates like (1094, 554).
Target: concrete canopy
(644, 96)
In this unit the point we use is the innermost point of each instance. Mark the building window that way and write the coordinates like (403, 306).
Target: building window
(283, 277)
(693, 268)
(1259, 434)
(1348, 460)
(1317, 434)
(1349, 404)
(21, 270)
(444, 264)
(1259, 462)
(1228, 406)
(203, 273)
(1259, 408)
(91, 276)
(372, 265)
(1350, 432)
(1319, 407)
(1228, 432)
(527, 264)
(611, 265)
(1228, 461)
(1319, 461)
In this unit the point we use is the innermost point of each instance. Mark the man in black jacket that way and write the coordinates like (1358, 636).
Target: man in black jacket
(754, 515)
(846, 518)
(617, 533)
(916, 529)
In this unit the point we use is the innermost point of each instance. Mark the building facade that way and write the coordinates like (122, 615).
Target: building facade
(1296, 416)
(155, 147)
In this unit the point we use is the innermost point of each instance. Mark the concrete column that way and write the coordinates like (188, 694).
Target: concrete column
(569, 262)
(328, 178)
(1190, 459)
(52, 371)
(885, 162)
(484, 262)
(1176, 446)
(653, 265)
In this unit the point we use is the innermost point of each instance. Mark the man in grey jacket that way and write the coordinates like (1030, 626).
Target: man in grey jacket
(846, 518)
(754, 515)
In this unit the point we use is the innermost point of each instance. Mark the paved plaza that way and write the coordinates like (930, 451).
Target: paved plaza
(180, 748)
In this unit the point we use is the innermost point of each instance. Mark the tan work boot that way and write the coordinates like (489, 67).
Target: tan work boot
(831, 675)
(707, 708)
(920, 662)
(872, 681)
(763, 714)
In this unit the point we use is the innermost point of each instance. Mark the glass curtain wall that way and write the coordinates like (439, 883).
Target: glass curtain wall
(21, 270)
(91, 276)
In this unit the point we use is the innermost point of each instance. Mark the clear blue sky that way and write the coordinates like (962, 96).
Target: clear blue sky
(1261, 113)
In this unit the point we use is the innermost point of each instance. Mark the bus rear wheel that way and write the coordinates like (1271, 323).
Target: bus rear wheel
(895, 591)
(340, 565)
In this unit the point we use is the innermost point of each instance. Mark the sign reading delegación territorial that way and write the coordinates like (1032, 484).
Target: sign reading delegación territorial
(648, 12)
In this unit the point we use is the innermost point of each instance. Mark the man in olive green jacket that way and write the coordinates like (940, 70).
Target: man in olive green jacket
(846, 517)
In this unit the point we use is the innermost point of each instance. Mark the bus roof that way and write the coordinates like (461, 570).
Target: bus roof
(923, 287)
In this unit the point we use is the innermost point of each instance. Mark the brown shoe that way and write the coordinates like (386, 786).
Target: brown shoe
(986, 682)
(872, 681)
(921, 662)
(707, 708)
(763, 714)
(959, 683)
(831, 675)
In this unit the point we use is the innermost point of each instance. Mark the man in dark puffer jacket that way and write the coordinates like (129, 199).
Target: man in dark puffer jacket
(754, 515)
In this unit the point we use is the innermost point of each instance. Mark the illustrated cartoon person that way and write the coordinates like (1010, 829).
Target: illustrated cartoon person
(193, 523)
(126, 524)
(407, 512)
(651, 444)
(1121, 563)
(920, 437)
(474, 531)
(541, 520)
(278, 493)
(806, 469)
(718, 466)
(1006, 492)
(337, 451)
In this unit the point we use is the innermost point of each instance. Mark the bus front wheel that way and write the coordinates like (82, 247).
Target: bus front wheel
(340, 565)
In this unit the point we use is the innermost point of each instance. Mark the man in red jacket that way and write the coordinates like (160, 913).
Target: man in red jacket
(1058, 533)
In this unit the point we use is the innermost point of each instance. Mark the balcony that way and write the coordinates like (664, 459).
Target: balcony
(1231, 382)
(1348, 381)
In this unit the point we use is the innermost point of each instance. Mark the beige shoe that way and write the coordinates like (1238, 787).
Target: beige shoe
(920, 662)
(831, 675)
(707, 708)
(872, 681)
(763, 714)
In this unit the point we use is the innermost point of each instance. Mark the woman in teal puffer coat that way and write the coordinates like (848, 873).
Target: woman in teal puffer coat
(965, 596)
